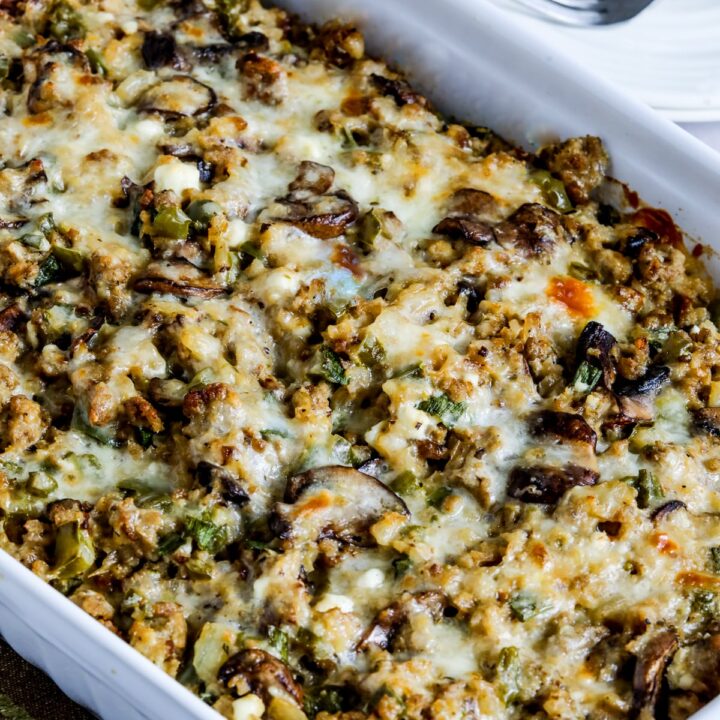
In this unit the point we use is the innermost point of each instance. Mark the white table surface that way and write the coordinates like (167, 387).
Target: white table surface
(707, 132)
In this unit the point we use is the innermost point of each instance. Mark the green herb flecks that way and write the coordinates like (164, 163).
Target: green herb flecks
(715, 559)
(401, 565)
(438, 496)
(442, 407)
(201, 212)
(170, 543)
(525, 606)
(331, 367)
(49, 271)
(206, 534)
(144, 437)
(97, 63)
(586, 377)
(280, 641)
(406, 483)
(64, 23)
(507, 673)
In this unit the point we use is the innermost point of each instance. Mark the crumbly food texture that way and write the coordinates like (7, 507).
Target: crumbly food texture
(336, 409)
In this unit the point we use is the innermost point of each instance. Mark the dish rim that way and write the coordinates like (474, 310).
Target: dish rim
(23, 592)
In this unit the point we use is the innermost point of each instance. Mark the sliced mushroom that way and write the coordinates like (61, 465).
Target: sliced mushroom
(252, 40)
(533, 229)
(325, 217)
(666, 509)
(469, 214)
(179, 96)
(377, 467)
(646, 386)
(43, 93)
(85, 339)
(470, 202)
(52, 85)
(334, 501)
(389, 621)
(254, 670)
(546, 485)
(596, 347)
(634, 243)
(635, 409)
(459, 228)
(180, 279)
(708, 420)
(398, 90)
(12, 223)
(312, 177)
(212, 53)
(159, 49)
(564, 426)
(62, 51)
(207, 473)
(649, 671)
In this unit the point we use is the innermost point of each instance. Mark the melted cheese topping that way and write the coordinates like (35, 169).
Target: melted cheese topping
(333, 408)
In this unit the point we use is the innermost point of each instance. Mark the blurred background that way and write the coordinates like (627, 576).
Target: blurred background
(668, 56)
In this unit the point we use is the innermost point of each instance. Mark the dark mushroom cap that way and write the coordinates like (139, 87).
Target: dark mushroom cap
(666, 509)
(533, 229)
(470, 212)
(333, 501)
(389, 621)
(312, 177)
(212, 53)
(649, 671)
(546, 485)
(634, 243)
(460, 228)
(178, 96)
(595, 346)
(159, 49)
(261, 673)
(470, 202)
(648, 384)
(398, 90)
(634, 409)
(233, 490)
(12, 223)
(324, 217)
(708, 420)
(563, 426)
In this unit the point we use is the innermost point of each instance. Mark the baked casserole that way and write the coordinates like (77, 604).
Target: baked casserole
(334, 408)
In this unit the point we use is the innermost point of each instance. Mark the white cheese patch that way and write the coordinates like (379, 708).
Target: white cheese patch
(330, 601)
(176, 175)
(248, 707)
(372, 578)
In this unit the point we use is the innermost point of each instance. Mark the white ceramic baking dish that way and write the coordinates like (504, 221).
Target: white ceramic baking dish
(475, 64)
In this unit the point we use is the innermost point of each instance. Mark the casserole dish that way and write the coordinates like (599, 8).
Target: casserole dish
(460, 67)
